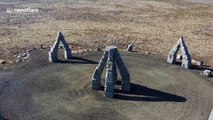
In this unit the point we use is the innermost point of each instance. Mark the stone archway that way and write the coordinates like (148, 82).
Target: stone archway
(111, 58)
(186, 57)
(53, 53)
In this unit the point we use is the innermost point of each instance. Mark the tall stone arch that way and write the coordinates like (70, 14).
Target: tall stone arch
(186, 57)
(111, 58)
(53, 53)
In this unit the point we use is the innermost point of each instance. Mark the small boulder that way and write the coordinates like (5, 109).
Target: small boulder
(27, 55)
(2, 61)
(179, 57)
(199, 63)
(43, 47)
(207, 73)
(18, 60)
(147, 53)
(23, 54)
(98, 49)
(130, 47)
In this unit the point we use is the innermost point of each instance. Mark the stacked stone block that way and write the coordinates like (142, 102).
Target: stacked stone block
(96, 78)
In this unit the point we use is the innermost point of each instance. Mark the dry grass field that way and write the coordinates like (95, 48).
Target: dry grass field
(152, 25)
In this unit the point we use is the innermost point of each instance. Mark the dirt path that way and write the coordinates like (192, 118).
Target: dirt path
(38, 90)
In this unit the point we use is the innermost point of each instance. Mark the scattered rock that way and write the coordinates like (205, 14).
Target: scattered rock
(18, 60)
(147, 53)
(43, 47)
(98, 49)
(2, 61)
(23, 54)
(29, 50)
(130, 47)
(200, 63)
(88, 50)
(207, 73)
(75, 52)
(27, 56)
(179, 57)
(35, 48)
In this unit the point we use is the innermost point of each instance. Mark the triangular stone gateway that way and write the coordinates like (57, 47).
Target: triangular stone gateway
(111, 58)
(53, 53)
(186, 57)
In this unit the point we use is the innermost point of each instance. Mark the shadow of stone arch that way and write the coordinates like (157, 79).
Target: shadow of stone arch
(53, 53)
(142, 93)
(77, 60)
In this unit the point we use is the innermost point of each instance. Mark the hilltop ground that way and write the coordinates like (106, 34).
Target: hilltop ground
(39, 90)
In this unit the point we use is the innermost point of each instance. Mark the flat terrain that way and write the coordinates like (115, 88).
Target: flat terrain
(39, 90)
(152, 25)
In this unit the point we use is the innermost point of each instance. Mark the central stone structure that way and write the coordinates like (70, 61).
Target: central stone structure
(111, 58)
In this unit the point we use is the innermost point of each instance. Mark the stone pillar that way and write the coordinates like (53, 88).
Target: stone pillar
(110, 72)
(186, 57)
(67, 50)
(123, 71)
(173, 54)
(96, 78)
(53, 53)
(68, 54)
